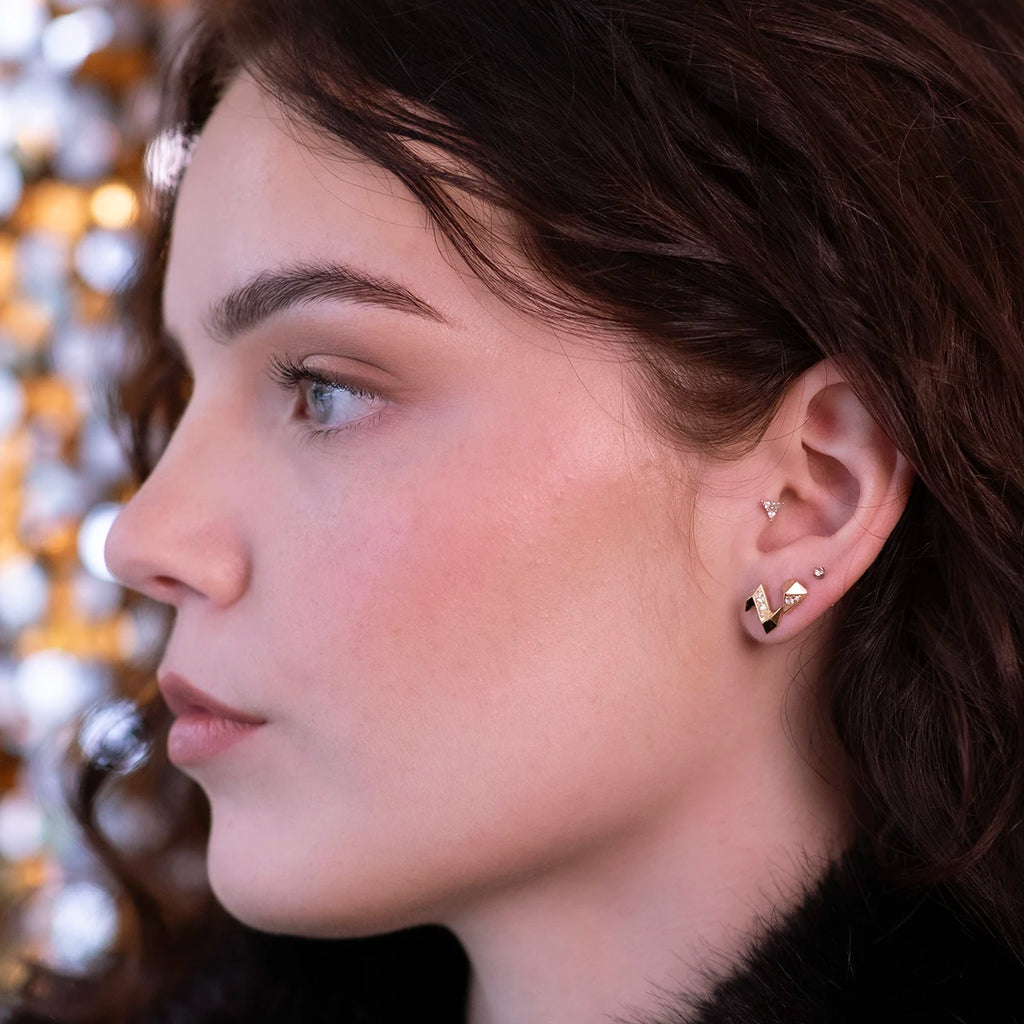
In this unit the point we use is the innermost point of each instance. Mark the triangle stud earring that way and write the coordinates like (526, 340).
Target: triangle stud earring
(771, 509)
(793, 594)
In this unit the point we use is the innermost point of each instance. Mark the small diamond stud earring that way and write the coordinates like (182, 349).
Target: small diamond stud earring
(793, 593)
(771, 509)
(819, 572)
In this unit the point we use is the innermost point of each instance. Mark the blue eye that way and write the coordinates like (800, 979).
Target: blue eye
(328, 404)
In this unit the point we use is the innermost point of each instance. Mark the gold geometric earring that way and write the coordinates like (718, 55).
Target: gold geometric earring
(793, 592)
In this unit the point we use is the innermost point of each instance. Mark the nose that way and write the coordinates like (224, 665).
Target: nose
(181, 533)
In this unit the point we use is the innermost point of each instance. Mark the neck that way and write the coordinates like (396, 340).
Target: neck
(654, 916)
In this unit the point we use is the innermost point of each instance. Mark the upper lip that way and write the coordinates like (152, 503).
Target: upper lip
(183, 699)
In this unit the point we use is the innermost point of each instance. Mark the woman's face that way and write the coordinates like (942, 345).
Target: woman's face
(469, 615)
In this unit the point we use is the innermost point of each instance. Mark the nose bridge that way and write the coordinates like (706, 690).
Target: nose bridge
(183, 529)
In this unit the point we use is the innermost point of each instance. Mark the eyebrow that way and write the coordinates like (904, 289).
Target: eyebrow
(273, 291)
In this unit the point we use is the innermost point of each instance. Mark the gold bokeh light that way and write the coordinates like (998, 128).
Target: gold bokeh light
(114, 205)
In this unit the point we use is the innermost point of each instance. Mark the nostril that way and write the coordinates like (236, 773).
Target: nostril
(165, 591)
(162, 589)
(165, 585)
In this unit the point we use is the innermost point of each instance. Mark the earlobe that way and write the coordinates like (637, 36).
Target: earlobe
(841, 486)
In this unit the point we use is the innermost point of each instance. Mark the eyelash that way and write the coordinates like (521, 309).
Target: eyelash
(290, 376)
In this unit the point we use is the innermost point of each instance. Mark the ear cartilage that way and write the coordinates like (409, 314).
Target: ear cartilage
(793, 593)
(771, 509)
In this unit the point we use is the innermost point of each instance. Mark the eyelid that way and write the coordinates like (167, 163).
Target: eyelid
(287, 372)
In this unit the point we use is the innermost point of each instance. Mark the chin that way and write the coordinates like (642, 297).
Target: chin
(297, 900)
(280, 913)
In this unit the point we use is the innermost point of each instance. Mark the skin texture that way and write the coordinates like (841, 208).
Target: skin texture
(494, 626)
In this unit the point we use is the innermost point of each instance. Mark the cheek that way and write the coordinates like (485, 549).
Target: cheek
(465, 565)
(491, 611)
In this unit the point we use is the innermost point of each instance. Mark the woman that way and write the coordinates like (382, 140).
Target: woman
(592, 513)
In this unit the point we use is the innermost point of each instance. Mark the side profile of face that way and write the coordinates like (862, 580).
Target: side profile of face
(474, 600)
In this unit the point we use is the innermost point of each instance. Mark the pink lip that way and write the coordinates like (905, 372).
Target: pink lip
(203, 727)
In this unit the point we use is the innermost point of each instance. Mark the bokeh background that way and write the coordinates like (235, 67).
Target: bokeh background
(79, 98)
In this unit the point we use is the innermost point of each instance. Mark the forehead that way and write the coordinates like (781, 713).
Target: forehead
(263, 190)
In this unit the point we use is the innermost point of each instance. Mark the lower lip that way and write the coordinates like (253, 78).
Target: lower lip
(197, 737)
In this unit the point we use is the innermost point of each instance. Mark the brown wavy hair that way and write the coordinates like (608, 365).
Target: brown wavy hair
(742, 189)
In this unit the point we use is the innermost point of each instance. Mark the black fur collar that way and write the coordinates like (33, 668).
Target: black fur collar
(858, 950)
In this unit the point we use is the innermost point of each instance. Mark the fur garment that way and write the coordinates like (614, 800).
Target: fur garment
(858, 951)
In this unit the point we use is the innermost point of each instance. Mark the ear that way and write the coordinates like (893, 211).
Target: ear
(843, 487)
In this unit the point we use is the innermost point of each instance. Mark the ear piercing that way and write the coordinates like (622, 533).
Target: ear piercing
(793, 593)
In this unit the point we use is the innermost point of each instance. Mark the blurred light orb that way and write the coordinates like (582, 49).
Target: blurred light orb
(25, 326)
(106, 260)
(6, 115)
(10, 712)
(92, 536)
(52, 687)
(166, 158)
(21, 24)
(12, 403)
(73, 352)
(24, 592)
(100, 453)
(88, 150)
(68, 40)
(89, 139)
(94, 598)
(113, 737)
(53, 492)
(83, 924)
(43, 262)
(114, 206)
(11, 185)
(56, 207)
(38, 112)
(22, 826)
